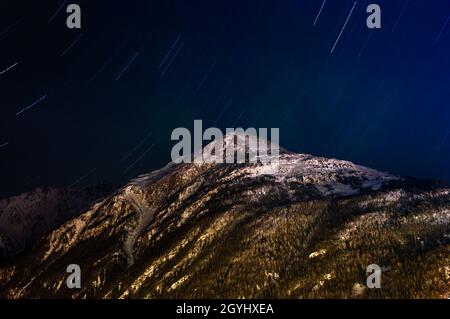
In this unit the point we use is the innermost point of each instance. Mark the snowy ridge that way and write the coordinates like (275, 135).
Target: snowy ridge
(329, 176)
(253, 147)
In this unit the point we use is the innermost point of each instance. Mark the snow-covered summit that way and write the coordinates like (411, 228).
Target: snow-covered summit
(260, 157)
(328, 176)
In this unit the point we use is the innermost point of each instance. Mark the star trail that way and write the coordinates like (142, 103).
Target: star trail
(71, 45)
(31, 105)
(108, 95)
(343, 27)
(320, 12)
(8, 68)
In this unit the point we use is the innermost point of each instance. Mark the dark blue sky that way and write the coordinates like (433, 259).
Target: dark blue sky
(381, 99)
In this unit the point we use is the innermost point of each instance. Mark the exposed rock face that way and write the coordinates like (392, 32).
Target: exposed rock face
(229, 230)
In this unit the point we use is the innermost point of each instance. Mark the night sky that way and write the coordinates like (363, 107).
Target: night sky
(78, 107)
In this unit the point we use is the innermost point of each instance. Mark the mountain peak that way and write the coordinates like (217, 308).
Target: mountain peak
(230, 230)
